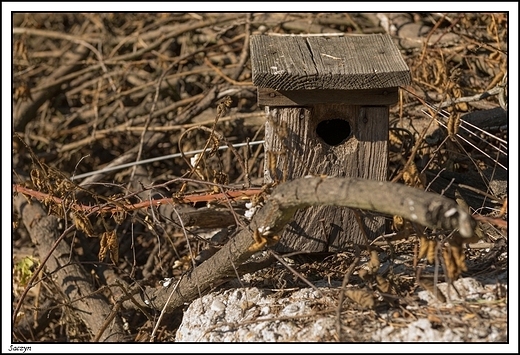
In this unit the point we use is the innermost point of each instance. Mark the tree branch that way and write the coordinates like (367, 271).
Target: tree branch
(425, 208)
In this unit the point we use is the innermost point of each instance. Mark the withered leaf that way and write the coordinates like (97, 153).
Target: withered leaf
(383, 284)
(364, 298)
(108, 243)
(82, 223)
(432, 248)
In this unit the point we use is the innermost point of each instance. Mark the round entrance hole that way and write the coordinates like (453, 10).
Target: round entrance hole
(333, 132)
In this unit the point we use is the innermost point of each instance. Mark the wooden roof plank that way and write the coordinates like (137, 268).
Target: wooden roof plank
(337, 63)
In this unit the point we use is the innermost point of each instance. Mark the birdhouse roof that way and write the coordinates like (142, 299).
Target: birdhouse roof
(319, 62)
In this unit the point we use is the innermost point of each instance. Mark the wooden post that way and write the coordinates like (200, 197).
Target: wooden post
(326, 101)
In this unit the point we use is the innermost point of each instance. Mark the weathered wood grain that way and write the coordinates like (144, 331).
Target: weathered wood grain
(294, 149)
(340, 63)
(270, 97)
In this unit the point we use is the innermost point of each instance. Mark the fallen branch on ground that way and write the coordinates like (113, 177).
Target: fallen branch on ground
(428, 209)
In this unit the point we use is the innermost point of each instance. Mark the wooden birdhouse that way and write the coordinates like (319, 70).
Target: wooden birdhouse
(327, 105)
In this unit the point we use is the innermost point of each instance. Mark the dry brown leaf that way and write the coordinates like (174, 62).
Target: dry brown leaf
(383, 284)
(364, 274)
(412, 177)
(397, 222)
(453, 269)
(82, 223)
(423, 249)
(432, 249)
(263, 238)
(364, 298)
(453, 125)
(108, 243)
(374, 263)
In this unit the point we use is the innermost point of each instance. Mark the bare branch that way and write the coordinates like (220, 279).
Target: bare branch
(428, 209)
